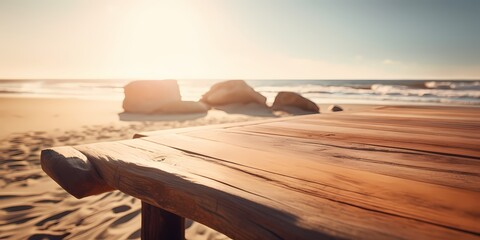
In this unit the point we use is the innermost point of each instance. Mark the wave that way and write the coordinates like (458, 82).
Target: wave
(470, 85)
(441, 92)
(348, 91)
(432, 92)
(459, 91)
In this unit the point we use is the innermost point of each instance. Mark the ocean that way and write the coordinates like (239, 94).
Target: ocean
(423, 92)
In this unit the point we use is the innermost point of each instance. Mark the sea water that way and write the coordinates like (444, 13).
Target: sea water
(431, 92)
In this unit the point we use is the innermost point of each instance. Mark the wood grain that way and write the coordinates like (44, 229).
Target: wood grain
(393, 172)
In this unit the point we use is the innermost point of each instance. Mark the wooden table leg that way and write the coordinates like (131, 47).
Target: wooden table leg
(160, 224)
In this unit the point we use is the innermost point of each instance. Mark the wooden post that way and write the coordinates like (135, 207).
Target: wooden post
(160, 224)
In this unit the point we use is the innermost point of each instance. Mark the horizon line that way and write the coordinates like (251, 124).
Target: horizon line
(264, 79)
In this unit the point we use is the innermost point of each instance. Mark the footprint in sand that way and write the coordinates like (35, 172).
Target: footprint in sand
(135, 235)
(17, 165)
(47, 236)
(122, 208)
(55, 217)
(63, 138)
(125, 218)
(17, 208)
(14, 152)
(48, 201)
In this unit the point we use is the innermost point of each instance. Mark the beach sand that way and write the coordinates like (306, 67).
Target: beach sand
(32, 206)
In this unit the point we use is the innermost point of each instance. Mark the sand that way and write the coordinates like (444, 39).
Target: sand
(32, 206)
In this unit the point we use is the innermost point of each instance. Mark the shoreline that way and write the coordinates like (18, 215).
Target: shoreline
(63, 114)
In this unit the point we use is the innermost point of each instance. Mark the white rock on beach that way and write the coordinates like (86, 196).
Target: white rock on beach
(147, 96)
(230, 92)
(285, 100)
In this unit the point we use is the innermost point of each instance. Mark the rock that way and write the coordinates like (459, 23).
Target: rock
(183, 107)
(335, 108)
(232, 91)
(147, 96)
(286, 100)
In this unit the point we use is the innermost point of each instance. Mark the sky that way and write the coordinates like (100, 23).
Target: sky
(247, 39)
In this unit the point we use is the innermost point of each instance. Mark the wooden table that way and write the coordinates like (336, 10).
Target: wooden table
(391, 172)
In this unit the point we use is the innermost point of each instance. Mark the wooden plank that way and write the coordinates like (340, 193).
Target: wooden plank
(412, 135)
(438, 127)
(214, 126)
(160, 224)
(451, 111)
(409, 164)
(428, 143)
(451, 119)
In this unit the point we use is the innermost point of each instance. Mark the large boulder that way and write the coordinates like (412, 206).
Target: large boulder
(287, 100)
(147, 96)
(230, 92)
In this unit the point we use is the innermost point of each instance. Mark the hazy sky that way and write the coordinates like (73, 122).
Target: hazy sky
(321, 39)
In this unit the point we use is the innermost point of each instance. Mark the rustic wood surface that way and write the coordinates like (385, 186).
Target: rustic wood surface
(392, 172)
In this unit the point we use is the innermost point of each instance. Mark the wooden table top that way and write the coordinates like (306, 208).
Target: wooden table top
(391, 172)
